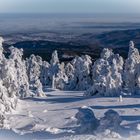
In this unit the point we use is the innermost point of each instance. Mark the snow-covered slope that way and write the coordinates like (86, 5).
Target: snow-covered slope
(54, 117)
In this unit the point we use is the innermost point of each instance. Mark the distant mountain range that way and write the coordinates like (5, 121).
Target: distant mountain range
(68, 46)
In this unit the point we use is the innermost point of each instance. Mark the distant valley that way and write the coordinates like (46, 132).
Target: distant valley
(68, 47)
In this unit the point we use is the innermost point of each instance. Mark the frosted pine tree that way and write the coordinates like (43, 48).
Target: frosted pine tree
(107, 75)
(39, 89)
(1, 49)
(70, 70)
(131, 70)
(33, 71)
(80, 79)
(9, 77)
(61, 78)
(7, 103)
(44, 74)
(8, 99)
(54, 59)
(138, 79)
(57, 72)
(54, 68)
(20, 71)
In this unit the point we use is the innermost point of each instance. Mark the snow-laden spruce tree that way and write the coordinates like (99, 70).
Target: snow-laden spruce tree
(131, 70)
(79, 73)
(9, 77)
(1, 49)
(8, 99)
(82, 72)
(70, 70)
(33, 70)
(57, 72)
(20, 71)
(61, 78)
(138, 79)
(7, 103)
(54, 59)
(33, 64)
(54, 68)
(107, 75)
(44, 74)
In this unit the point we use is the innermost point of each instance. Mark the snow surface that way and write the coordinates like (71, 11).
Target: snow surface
(53, 117)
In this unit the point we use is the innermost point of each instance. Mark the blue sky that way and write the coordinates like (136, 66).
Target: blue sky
(69, 6)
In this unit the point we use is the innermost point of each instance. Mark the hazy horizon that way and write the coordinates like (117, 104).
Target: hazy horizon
(70, 6)
(67, 15)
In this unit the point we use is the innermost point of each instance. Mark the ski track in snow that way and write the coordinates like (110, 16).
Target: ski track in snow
(52, 117)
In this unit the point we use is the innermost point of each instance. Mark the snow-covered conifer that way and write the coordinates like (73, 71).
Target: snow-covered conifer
(131, 70)
(8, 99)
(79, 76)
(44, 74)
(107, 75)
(20, 71)
(33, 71)
(57, 72)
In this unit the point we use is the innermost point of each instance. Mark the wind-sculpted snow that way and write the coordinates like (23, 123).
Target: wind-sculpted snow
(86, 120)
(111, 121)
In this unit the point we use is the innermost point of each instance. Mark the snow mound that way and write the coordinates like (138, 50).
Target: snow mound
(86, 120)
(111, 121)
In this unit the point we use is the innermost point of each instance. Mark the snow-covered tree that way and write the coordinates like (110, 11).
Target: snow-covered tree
(20, 71)
(54, 67)
(57, 72)
(82, 72)
(107, 75)
(9, 77)
(7, 103)
(138, 79)
(33, 71)
(8, 99)
(44, 74)
(60, 78)
(54, 59)
(79, 73)
(131, 70)
(69, 70)
(1, 49)
(39, 89)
